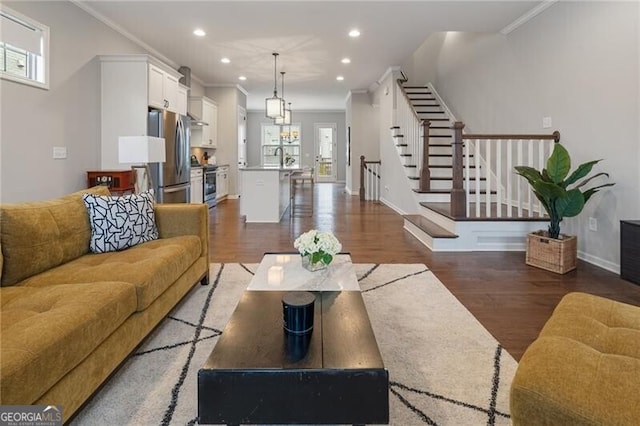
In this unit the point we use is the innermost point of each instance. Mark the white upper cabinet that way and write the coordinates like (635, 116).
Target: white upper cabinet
(207, 110)
(183, 93)
(163, 88)
(130, 84)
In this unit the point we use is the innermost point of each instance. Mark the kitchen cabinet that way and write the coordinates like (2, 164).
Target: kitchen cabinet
(207, 110)
(197, 185)
(163, 88)
(129, 85)
(222, 182)
(264, 193)
(183, 95)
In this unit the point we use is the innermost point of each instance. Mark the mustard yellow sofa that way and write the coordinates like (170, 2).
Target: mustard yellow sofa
(70, 317)
(584, 368)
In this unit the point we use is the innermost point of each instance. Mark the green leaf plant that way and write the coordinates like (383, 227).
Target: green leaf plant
(552, 186)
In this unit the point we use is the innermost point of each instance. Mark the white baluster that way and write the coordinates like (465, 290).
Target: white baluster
(509, 199)
(499, 177)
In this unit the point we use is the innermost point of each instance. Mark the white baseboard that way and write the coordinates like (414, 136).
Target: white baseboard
(392, 206)
(597, 261)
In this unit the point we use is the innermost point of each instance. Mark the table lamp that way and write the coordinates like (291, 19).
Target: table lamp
(145, 150)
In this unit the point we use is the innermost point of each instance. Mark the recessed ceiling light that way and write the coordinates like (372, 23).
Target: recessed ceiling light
(199, 32)
(242, 77)
(354, 33)
(339, 78)
(346, 61)
(225, 60)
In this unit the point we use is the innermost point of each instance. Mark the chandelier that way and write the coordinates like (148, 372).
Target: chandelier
(274, 106)
(286, 118)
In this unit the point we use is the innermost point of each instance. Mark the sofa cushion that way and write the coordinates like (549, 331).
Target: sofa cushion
(151, 267)
(120, 222)
(37, 236)
(584, 368)
(47, 331)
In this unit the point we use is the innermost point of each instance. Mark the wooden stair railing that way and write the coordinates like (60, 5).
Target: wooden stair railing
(373, 179)
(538, 148)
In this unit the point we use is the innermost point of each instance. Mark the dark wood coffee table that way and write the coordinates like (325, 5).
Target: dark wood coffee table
(254, 376)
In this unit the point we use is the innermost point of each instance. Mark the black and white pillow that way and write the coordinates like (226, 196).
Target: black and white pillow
(120, 222)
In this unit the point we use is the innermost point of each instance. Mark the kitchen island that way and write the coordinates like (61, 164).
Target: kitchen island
(265, 193)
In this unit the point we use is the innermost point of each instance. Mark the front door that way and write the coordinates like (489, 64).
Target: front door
(326, 169)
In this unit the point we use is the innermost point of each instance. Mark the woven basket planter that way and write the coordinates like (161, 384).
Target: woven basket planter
(555, 255)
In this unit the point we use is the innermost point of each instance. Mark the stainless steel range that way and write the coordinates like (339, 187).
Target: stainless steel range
(210, 185)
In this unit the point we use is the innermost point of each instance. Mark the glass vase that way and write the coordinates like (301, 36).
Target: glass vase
(308, 265)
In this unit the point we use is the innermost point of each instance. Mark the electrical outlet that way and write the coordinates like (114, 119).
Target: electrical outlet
(386, 188)
(59, 152)
(593, 224)
(546, 122)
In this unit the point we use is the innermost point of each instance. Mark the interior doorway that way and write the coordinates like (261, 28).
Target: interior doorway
(325, 150)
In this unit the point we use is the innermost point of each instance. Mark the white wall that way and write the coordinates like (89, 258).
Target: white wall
(577, 62)
(365, 138)
(306, 119)
(34, 120)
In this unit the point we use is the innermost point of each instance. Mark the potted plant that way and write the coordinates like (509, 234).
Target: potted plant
(562, 195)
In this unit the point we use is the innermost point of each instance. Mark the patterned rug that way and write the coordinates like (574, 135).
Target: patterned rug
(444, 367)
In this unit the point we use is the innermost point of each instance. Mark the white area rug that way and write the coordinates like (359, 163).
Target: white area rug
(444, 367)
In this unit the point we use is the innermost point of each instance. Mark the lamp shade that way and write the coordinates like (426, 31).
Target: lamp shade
(141, 149)
(274, 107)
(286, 120)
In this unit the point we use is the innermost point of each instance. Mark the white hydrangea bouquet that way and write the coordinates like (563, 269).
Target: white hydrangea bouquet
(317, 248)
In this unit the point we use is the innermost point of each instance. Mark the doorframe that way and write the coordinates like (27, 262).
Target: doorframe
(242, 122)
(334, 152)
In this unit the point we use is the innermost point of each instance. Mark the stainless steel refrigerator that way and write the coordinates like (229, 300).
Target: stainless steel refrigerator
(171, 178)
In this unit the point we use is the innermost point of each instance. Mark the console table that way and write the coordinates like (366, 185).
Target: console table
(630, 250)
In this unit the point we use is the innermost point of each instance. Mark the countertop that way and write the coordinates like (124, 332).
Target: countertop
(271, 168)
(200, 166)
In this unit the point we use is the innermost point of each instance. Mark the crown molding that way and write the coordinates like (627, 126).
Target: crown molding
(527, 16)
(234, 85)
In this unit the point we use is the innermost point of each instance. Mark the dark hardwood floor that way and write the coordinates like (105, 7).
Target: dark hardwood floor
(510, 299)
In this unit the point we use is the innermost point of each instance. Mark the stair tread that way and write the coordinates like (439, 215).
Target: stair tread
(445, 166)
(397, 136)
(447, 191)
(451, 178)
(402, 144)
(441, 136)
(428, 227)
(445, 209)
(411, 166)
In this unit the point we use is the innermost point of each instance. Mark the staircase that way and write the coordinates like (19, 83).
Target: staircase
(425, 139)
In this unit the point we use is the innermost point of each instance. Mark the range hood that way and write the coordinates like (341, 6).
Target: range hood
(196, 121)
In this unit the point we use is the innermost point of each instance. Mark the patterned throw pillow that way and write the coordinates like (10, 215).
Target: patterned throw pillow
(120, 222)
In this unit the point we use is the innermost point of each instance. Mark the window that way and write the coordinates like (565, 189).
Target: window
(285, 137)
(24, 49)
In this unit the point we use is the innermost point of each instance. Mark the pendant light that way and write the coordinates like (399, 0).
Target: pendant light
(286, 118)
(274, 106)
